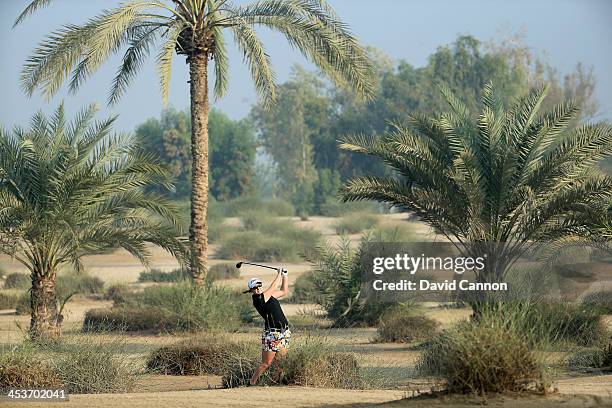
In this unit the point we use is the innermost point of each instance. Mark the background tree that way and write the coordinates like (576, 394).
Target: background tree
(196, 29)
(511, 179)
(232, 152)
(73, 189)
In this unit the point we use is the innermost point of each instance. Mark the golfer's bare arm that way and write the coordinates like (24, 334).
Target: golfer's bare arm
(273, 291)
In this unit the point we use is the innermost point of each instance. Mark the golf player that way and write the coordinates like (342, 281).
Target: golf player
(276, 334)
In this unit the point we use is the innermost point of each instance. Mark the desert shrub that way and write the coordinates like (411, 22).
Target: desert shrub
(403, 324)
(353, 223)
(73, 282)
(195, 356)
(17, 281)
(553, 322)
(304, 290)
(600, 300)
(223, 271)
(285, 245)
(240, 205)
(311, 363)
(23, 304)
(178, 307)
(334, 208)
(400, 232)
(599, 358)
(22, 367)
(9, 299)
(482, 357)
(94, 365)
(157, 275)
(118, 293)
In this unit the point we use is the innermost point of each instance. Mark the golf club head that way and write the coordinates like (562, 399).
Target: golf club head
(238, 265)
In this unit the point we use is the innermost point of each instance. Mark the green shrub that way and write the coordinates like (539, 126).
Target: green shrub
(311, 363)
(9, 299)
(157, 275)
(600, 300)
(239, 206)
(22, 367)
(353, 223)
(82, 283)
(94, 365)
(482, 357)
(599, 358)
(401, 324)
(304, 290)
(119, 293)
(194, 356)
(334, 208)
(223, 271)
(17, 281)
(401, 232)
(23, 304)
(171, 308)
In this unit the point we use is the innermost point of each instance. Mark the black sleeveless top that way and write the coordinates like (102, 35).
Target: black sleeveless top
(271, 312)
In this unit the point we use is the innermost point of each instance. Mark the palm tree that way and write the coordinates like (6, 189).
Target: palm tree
(196, 29)
(72, 189)
(505, 181)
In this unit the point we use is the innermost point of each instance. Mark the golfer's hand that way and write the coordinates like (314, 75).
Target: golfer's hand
(283, 271)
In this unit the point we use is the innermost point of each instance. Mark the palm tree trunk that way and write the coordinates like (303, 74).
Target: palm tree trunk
(198, 231)
(45, 321)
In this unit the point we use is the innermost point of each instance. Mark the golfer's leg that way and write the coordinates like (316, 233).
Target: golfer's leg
(266, 360)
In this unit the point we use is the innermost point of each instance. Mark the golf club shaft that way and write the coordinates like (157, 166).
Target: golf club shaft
(261, 266)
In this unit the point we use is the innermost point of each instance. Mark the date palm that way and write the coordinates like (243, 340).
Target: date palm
(196, 29)
(72, 189)
(508, 179)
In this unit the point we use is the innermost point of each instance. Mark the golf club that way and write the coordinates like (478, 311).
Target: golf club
(239, 264)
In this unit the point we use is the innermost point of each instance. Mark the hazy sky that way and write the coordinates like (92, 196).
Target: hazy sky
(566, 31)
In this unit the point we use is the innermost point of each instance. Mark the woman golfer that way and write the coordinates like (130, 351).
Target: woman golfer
(276, 335)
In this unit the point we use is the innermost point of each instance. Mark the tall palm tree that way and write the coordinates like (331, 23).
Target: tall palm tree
(74, 189)
(504, 181)
(196, 29)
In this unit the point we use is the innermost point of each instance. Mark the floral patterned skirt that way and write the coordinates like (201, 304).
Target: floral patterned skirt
(273, 339)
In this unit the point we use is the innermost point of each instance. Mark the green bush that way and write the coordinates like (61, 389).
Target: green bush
(82, 283)
(23, 304)
(17, 281)
(118, 293)
(9, 299)
(400, 232)
(482, 357)
(403, 324)
(171, 308)
(334, 208)
(599, 358)
(600, 300)
(239, 206)
(157, 275)
(311, 363)
(353, 223)
(22, 367)
(304, 290)
(223, 271)
(94, 365)
(198, 355)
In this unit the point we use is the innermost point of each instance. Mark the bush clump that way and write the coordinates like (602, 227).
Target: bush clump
(304, 290)
(334, 208)
(482, 357)
(119, 293)
(157, 275)
(353, 223)
(93, 366)
(393, 233)
(223, 271)
(311, 363)
(172, 308)
(21, 367)
(78, 283)
(198, 355)
(240, 205)
(17, 281)
(400, 324)
(600, 300)
(599, 358)
(9, 299)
